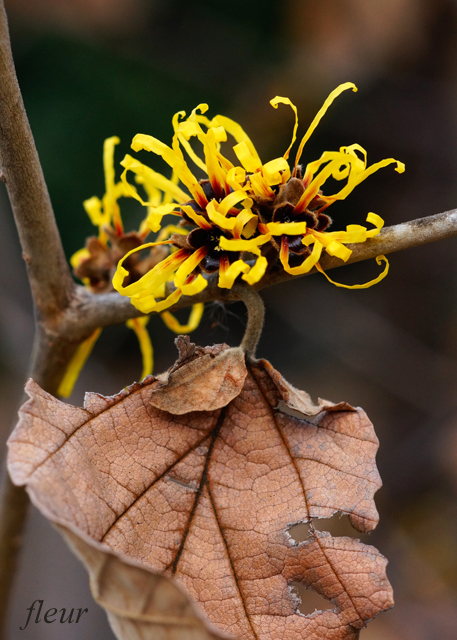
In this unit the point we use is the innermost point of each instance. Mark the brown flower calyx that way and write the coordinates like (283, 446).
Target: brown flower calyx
(98, 269)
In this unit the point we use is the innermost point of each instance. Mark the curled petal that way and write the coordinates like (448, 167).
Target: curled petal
(251, 245)
(260, 186)
(232, 199)
(244, 154)
(275, 170)
(176, 162)
(76, 364)
(194, 285)
(381, 276)
(306, 265)
(257, 271)
(236, 177)
(338, 166)
(287, 228)
(377, 221)
(235, 130)
(154, 219)
(146, 303)
(93, 208)
(153, 279)
(185, 270)
(280, 100)
(246, 224)
(218, 219)
(360, 177)
(150, 178)
(228, 275)
(111, 205)
(196, 217)
(138, 325)
(193, 322)
(318, 117)
(338, 250)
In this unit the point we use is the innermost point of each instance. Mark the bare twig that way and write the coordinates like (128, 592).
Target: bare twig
(49, 275)
(50, 278)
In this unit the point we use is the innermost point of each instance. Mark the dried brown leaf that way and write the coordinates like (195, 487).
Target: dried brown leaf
(140, 604)
(208, 496)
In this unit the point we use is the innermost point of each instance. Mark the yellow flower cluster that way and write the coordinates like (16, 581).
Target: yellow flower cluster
(230, 221)
(100, 257)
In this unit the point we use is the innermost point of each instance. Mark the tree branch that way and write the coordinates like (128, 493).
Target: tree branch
(49, 275)
(50, 279)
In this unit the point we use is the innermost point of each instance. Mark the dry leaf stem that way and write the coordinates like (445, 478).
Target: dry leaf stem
(67, 314)
(256, 317)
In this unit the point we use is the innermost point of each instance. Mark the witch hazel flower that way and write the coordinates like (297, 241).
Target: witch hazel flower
(96, 263)
(234, 220)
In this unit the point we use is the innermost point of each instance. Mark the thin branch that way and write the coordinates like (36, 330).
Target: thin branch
(50, 279)
(49, 275)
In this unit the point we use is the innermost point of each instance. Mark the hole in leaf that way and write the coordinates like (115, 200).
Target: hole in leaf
(337, 526)
(310, 600)
(299, 532)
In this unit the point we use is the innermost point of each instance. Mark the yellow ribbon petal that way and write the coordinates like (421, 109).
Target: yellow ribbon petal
(110, 202)
(280, 100)
(152, 178)
(154, 219)
(138, 325)
(228, 276)
(93, 208)
(246, 224)
(249, 160)
(286, 228)
(148, 304)
(381, 276)
(176, 161)
(218, 219)
(232, 199)
(186, 268)
(260, 186)
(318, 117)
(154, 278)
(274, 171)
(338, 250)
(236, 177)
(76, 364)
(377, 221)
(229, 244)
(257, 271)
(80, 256)
(196, 217)
(238, 133)
(193, 322)
(306, 265)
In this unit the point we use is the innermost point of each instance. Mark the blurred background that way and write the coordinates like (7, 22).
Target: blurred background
(90, 69)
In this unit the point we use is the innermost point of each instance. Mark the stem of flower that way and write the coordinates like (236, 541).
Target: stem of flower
(256, 316)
